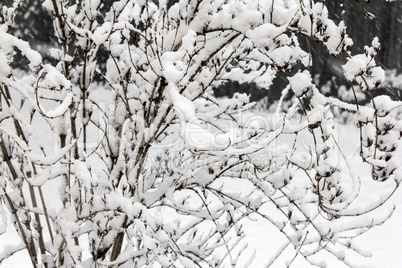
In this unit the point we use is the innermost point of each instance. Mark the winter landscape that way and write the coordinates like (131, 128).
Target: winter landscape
(225, 133)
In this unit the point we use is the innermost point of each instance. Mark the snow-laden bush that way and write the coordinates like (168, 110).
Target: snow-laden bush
(149, 169)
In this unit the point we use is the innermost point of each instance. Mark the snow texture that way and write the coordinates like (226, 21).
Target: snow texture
(149, 169)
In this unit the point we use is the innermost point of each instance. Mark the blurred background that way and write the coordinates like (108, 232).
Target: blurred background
(364, 21)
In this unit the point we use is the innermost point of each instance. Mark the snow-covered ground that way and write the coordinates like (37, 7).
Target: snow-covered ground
(384, 242)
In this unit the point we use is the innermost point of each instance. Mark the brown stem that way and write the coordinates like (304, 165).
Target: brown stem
(118, 242)
(29, 244)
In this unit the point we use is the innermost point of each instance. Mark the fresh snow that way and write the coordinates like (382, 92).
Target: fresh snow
(158, 151)
(382, 243)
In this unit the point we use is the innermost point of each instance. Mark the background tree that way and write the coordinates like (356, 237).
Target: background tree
(149, 164)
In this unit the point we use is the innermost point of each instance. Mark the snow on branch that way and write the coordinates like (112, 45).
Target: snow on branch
(117, 152)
